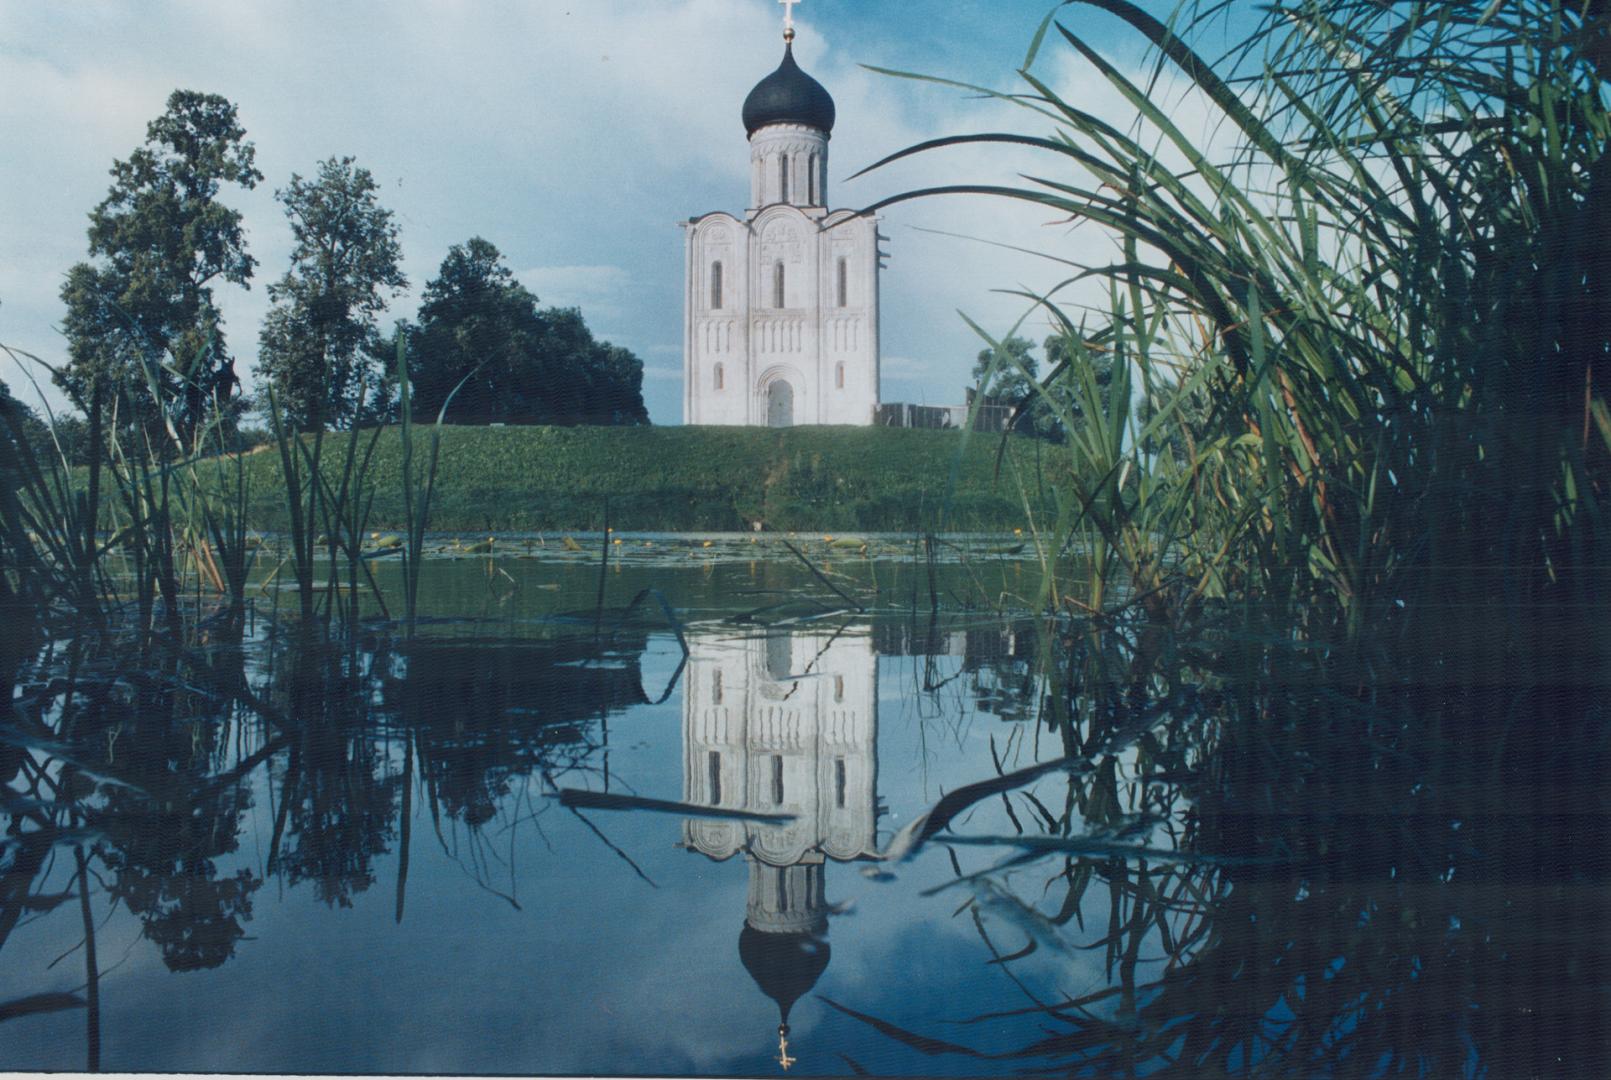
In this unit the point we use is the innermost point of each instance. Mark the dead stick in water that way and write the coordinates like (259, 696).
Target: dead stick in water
(820, 577)
(604, 563)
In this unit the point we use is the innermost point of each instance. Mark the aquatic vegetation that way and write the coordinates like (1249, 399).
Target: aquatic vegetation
(1348, 479)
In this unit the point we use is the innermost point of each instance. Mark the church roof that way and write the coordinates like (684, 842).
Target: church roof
(784, 966)
(788, 96)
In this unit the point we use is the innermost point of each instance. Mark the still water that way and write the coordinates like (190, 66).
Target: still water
(375, 872)
(672, 805)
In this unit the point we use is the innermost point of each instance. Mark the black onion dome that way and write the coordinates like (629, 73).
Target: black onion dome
(784, 966)
(788, 96)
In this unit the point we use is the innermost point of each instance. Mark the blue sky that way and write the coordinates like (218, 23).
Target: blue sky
(573, 134)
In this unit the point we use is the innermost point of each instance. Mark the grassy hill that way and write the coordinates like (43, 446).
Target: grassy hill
(696, 478)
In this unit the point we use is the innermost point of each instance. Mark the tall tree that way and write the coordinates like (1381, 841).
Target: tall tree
(518, 364)
(319, 344)
(141, 312)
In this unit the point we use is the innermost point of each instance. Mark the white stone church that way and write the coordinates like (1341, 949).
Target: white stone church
(781, 305)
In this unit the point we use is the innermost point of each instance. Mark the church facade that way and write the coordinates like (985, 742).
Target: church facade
(781, 304)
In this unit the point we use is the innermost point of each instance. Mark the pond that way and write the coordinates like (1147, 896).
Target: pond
(392, 885)
(715, 806)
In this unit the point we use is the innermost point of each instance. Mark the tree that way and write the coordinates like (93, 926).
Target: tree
(141, 313)
(1015, 384)
(1058, 348)
(1015, 372)
(518, 364)
(319, 346)
(33, 431)
(63, 437)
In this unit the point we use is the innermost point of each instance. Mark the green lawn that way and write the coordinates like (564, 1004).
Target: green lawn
(698, 478)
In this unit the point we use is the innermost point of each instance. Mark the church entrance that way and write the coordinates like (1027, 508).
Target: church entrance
(779, 404)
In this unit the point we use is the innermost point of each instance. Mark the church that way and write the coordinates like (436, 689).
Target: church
(781, 305)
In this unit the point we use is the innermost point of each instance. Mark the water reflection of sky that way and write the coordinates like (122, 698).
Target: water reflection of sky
(597, 971)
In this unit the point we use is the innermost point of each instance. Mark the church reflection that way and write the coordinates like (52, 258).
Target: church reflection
(783, 723)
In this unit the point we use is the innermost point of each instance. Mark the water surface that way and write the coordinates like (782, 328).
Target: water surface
(376, 874)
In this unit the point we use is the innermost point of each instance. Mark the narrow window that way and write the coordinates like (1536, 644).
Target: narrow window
(714, 764)
(719, 384)
(839, 680)
(783, 178)
(783, 892)
(777, 779)
(779, 655)
(716, 676)
(777, 284)
(716, 286)
(811, 180)
(839, 782)
(844, 283)
(839, 376)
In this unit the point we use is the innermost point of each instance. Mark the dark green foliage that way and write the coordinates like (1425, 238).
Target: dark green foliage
(1063, 364)
(66, 437)
(518, 364)
(1374, 337)
(141, 316)
(1045, 405)
(320, 348)
(246, 438)
(1008, 376)
(34, 430)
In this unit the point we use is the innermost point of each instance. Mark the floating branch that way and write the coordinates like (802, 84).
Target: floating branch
(580, 799)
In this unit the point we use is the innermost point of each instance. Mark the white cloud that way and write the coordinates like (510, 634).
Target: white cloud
(574, 139)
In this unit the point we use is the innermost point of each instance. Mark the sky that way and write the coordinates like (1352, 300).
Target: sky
(573, 134)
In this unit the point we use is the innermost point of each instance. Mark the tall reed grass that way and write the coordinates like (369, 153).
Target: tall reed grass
(1359, 366)
(1353, 474)
(156, 520)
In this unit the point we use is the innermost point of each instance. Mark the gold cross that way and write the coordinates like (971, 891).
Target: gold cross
(788, 24)
(783, 1040)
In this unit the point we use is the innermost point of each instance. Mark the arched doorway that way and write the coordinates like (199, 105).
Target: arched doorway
(779, 404)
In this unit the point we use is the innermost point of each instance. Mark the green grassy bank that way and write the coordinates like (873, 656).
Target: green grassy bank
(698, 478)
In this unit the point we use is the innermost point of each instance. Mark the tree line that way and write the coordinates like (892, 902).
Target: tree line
(147, 349)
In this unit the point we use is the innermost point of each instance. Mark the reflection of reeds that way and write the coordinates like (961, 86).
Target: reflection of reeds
(92, 971)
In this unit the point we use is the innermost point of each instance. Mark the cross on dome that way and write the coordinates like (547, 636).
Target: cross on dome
(783, 1057)
(788, 18)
